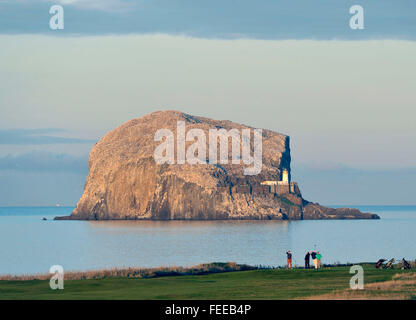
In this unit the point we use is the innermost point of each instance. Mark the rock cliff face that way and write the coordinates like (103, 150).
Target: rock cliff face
(125, 182)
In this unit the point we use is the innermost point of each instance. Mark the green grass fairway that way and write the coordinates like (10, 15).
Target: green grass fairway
(257, 284)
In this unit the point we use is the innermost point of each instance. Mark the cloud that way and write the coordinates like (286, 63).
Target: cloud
(262, 19)
(100, 5)
(36, 137)
(104, 5)
(38, 161)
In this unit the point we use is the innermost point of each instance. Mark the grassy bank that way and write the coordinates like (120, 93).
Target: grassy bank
(253, 284)
(201, 269)
(401, 287)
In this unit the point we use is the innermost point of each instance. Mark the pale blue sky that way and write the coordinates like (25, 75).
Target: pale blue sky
(260, 19)
(348, 105)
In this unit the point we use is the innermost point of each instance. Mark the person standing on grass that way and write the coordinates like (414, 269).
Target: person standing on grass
(315, 261)
(289, 259)
(307, 259)
(318, 258)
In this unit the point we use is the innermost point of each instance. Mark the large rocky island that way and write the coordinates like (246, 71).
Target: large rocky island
(125, 181)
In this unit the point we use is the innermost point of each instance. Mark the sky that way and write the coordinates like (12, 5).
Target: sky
(260, 19)
(345, 97)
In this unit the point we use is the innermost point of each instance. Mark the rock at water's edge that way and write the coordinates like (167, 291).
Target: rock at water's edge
(125, 182)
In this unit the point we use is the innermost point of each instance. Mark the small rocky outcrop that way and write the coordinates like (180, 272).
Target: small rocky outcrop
(125, 182)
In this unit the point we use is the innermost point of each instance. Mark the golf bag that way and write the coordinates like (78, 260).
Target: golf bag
(406, 265)
(379, 263)
(389, 264)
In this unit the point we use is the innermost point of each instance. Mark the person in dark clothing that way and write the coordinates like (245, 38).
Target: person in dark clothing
(307, 259)
(289, 259)
(315, 261)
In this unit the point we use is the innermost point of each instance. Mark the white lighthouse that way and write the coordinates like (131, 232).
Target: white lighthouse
(285, 176)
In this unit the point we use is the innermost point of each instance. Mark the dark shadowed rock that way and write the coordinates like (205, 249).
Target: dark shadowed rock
(125, 182)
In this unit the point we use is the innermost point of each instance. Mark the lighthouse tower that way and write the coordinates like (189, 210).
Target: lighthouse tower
(285, 176)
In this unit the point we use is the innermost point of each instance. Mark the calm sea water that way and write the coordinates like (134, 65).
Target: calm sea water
(30, 245)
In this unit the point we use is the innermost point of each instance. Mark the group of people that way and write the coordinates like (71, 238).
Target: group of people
(316, 259)
(315, 255)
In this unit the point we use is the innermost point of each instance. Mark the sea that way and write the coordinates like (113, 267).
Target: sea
(30, 245)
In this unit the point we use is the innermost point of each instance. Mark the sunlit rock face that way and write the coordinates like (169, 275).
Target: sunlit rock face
(126, 182)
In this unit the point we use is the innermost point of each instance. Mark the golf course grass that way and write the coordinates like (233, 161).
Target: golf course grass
(254, 284)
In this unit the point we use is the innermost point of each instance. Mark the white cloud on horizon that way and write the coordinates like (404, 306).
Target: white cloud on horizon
(42, 161)
(101, 5)
(105, 5)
